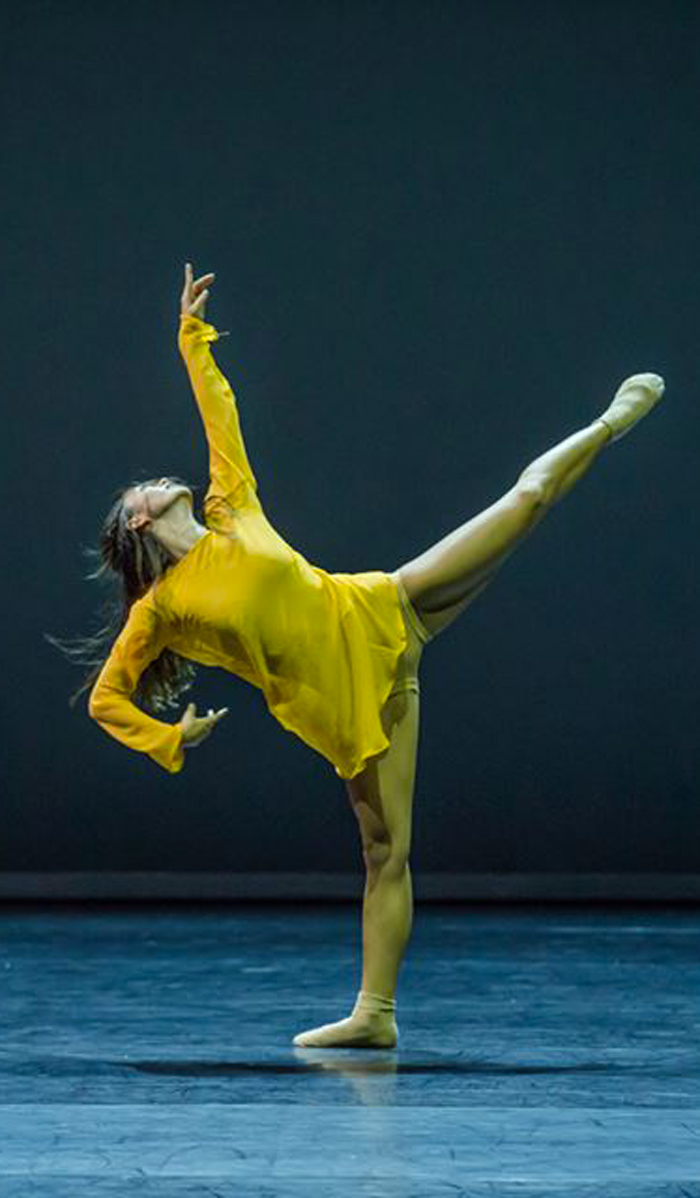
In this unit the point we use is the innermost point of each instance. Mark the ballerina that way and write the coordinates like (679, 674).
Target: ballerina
(336, 656)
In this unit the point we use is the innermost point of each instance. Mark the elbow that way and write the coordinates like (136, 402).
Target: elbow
(95, 705)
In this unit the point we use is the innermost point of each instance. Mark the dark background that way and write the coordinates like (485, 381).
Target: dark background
(443, 234)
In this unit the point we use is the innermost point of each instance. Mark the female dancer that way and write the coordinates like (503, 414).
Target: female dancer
(335, 655)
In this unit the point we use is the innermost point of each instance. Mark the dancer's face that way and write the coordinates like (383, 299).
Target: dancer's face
(148, 501)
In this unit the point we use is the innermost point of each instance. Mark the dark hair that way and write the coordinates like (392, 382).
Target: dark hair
(137, 559)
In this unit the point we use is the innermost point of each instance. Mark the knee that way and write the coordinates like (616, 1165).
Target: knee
(385, 845)
(533, 490)
(386, 856)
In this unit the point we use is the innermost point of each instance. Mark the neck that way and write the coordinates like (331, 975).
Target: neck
(179, 539)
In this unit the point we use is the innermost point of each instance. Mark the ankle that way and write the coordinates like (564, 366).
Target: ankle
(375, 1004)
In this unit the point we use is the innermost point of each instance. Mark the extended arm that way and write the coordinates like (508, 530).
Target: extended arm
(231, 475)
(139, 643)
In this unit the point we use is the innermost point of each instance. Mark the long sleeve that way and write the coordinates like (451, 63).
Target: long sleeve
(231, 475)
(140, 641)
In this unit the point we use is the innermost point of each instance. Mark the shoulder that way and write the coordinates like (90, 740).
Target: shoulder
(146, 631)
(146, 611)
(222, 508)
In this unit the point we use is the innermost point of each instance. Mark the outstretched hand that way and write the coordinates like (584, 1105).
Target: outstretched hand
(196, 728)
(194, 293)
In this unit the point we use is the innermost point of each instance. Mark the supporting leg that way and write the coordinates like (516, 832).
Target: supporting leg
(382, 799)
(451, 570)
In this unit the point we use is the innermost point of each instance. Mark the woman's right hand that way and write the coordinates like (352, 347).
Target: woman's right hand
(194, 294)
(196, 728)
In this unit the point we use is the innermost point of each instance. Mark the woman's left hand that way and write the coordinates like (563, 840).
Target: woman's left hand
(194, 294)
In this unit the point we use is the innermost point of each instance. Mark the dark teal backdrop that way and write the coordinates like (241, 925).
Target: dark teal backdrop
(443, 234)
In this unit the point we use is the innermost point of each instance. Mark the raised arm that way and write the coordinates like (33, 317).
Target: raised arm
(139, 643)
(230, 474)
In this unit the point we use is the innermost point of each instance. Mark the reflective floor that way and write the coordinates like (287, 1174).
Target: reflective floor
(550, 1051)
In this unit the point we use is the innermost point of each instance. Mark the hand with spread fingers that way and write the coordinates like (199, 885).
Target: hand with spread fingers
(196, 728)
(194, 293)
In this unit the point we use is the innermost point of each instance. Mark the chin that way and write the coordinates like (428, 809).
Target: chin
(178, 496)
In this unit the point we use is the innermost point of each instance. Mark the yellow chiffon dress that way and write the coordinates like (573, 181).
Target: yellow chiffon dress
(323, 648)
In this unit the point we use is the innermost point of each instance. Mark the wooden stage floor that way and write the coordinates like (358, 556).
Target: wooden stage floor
(543, 1051)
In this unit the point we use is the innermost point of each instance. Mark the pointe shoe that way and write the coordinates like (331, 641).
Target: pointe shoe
(635, 396)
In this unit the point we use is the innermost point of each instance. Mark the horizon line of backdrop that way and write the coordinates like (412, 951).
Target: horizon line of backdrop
(442, 234)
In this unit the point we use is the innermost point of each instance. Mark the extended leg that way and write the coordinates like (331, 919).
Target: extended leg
(453, 570)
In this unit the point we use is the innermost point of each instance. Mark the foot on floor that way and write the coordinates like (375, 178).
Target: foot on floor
(372, 1024)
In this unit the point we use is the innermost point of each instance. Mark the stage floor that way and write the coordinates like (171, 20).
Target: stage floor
(542, 1051)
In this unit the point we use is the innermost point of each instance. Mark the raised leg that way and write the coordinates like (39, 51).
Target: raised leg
(456, 568)
(437, 621)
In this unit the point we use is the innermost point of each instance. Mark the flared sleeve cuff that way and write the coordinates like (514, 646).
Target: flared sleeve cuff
(193, 330)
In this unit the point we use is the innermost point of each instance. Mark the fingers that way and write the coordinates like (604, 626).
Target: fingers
(195, 293)
(212, 717)
(199, 303)
(207, 722)
(193, 288)
(222, 710)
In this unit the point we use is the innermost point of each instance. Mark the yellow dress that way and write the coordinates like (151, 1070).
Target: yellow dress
(323, 648)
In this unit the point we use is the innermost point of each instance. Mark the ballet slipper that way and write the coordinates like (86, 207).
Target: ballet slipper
(372, 1024)
(634, 398)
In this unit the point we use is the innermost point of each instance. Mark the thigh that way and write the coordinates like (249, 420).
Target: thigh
(417, 637)
(382, 794)
(437, 621)
(451, 570)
